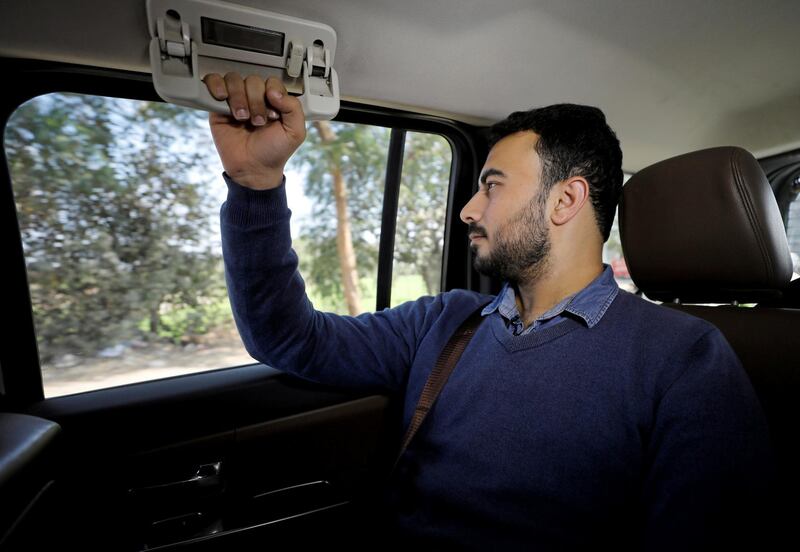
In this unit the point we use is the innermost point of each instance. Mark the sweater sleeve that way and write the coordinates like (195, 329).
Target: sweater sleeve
(278, 323)
(710, 468)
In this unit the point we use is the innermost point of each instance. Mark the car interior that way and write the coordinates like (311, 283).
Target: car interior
(704, 97)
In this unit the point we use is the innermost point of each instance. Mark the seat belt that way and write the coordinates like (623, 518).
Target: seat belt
(447, 361)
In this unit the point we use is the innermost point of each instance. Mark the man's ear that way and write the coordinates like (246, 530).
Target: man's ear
(569, 196)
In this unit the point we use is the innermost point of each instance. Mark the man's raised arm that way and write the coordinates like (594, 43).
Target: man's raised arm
(275, 318)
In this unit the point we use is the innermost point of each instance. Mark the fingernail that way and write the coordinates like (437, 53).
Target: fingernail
(276, 94)
(221, 92)
(258, 120)
(241, 114)
(272, 115)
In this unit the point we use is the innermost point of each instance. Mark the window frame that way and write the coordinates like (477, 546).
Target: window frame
(20, 370)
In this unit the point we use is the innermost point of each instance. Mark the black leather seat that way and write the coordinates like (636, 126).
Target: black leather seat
(705, 228)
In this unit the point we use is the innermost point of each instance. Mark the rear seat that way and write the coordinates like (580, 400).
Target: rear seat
(704, 228)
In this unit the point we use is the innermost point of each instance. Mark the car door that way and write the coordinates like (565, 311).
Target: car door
(219, 458)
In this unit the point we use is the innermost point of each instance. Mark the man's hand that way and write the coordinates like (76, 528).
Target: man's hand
(267, 126)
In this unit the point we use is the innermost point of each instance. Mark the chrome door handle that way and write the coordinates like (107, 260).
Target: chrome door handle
(207, 475)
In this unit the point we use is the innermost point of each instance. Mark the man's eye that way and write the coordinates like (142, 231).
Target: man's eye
(490, 185)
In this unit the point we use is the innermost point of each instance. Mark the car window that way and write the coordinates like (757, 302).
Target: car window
(613, 256)
(335, 188)
(793, 231)
(422, 206)
(118, 205)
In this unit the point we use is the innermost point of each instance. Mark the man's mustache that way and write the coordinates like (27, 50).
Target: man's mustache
(476, 230)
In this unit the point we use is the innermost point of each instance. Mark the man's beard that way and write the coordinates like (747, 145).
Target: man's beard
(521, 246)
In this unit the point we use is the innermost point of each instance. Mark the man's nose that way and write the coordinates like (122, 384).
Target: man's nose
(473, 210)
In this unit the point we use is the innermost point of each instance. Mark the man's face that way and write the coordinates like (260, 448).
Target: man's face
(508, 228)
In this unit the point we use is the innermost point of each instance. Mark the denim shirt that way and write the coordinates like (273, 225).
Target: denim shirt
(589, 305)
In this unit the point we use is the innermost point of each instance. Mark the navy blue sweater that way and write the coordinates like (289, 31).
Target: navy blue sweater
(641, 431)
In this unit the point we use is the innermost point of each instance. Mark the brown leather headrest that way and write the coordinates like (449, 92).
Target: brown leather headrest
(704, 227)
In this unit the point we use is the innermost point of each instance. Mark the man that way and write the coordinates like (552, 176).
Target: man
(579, 415)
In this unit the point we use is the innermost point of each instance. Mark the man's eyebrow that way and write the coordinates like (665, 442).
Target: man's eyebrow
(491, 172)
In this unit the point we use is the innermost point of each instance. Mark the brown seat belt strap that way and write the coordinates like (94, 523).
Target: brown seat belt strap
(447, 361)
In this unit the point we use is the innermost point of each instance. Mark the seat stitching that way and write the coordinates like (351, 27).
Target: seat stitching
(750, 210)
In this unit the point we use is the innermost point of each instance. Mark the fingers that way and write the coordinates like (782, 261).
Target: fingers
(216, 86)
(253, 99)
(254, 87)
(237, 97)
(285, 105)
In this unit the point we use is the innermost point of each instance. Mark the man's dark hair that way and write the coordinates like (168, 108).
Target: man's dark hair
(574, 140)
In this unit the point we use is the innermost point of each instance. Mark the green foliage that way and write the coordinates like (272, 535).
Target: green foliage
(361, 154)
(115, 218)
(184, 324)
(407, 288)
(422, 207)
(113, 222)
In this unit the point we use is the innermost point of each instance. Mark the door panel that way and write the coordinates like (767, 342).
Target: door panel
(213, 457)
(27, 451)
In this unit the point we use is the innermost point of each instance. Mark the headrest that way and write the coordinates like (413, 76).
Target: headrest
(704, 227)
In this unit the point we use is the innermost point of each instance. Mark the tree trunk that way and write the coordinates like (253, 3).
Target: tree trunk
(344, 238)
(428, 276)
(154, 319)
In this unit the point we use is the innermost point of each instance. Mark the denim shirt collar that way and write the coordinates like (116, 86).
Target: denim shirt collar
(589, 304)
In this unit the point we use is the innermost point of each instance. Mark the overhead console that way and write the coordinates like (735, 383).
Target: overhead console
(192, 38)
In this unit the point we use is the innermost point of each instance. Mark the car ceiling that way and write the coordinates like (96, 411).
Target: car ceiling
(671, 76)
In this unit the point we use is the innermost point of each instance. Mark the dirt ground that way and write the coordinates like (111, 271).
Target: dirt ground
(143, 362)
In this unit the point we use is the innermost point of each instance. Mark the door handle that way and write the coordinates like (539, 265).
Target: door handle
(207, 477)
